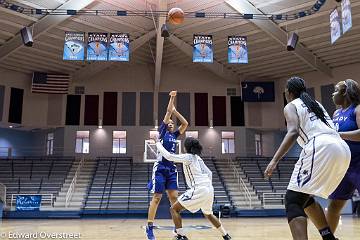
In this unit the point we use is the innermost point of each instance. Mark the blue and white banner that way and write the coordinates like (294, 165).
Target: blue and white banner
(258, 91)
(74, 47)
(97, 47)
(119, 47)
(28, 202)
(203, 49)
(335, 28)
(237, 49)
(346, 15)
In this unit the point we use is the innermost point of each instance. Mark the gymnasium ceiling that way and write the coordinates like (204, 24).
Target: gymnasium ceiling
(268, 58)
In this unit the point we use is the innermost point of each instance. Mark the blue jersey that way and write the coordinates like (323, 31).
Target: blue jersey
(345, 121)
(168, 140)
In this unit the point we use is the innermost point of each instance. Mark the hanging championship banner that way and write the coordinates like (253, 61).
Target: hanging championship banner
(237, 49)
(74, 47)
(335, 26)
(346, 15)
(119, 47)
(97, 49)
(203, 49)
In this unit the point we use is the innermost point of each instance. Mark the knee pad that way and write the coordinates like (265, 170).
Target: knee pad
(294, 204)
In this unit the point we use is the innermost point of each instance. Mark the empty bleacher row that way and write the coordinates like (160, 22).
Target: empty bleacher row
(120, 184)
(254, 169)
(34, 175)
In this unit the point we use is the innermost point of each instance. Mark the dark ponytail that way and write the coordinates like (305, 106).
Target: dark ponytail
(352, 91)
(296, 86)
(193, 146)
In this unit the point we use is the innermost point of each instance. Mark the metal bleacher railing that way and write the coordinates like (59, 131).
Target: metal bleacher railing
(241, 184)
(274, 200)
(3, 193)
(28, 171)
(72, 186)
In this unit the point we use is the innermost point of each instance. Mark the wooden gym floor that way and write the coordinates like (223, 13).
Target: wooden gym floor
(124, 229)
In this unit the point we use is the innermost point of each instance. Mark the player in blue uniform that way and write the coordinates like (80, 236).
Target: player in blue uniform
(165, 175)
(347, 122)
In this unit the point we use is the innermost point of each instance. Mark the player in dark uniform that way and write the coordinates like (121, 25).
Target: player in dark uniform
(347, 121)
(165, 175)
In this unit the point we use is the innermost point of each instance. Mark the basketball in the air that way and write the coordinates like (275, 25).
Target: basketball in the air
(176, 16)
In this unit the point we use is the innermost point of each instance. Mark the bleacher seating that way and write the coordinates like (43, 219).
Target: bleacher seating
(120, 184)
(254, 169)
(34, 175)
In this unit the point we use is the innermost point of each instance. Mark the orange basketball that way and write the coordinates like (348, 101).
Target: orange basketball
(176, 16)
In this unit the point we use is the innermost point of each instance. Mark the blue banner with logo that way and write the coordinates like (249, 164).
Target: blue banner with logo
(237, 49)
(97, 47)
(203, 49)
(119, 44)
(28, 202)
(74, 46)
(258, 91)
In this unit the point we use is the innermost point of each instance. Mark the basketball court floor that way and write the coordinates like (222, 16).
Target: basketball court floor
(124, 229)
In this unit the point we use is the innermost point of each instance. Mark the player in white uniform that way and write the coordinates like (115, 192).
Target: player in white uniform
(198, 177)
(323, 161)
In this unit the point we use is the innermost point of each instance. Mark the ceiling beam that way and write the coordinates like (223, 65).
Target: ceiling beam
(41, 26)
(93, 68)
(216, 67)
(159, 46)
(17, 14)
(280, 35)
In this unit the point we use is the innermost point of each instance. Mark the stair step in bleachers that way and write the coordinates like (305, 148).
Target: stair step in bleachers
(120, 184)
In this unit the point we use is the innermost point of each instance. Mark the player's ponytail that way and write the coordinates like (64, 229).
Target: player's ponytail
(193, 146)
(352, 91)
(296, 86)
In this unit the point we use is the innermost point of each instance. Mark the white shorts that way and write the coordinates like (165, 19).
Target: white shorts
(198, 198)
(322, 165)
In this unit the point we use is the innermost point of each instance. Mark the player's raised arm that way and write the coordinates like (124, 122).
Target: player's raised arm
(184, 122)
(170, 107)
(178, 158)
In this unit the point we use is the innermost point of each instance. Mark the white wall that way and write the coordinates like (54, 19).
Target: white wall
(35, 106)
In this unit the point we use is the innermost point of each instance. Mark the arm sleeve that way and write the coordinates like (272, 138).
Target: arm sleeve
(206, 169)
(178, 158)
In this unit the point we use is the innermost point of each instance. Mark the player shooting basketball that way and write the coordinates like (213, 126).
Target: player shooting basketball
(198, 177)
(165, 175)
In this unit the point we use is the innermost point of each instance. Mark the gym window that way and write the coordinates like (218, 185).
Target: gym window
(258, 144)
(50, 144)
(119, 142)
(82, 142)
(194, 134)
(227, 142)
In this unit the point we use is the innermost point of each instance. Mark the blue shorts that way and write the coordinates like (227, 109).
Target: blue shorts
(163, 178)
(347, 186)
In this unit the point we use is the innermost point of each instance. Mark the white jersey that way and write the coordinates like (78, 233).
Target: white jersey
(310, 125)
(325, 157)
(195, 171)
(200, 195)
